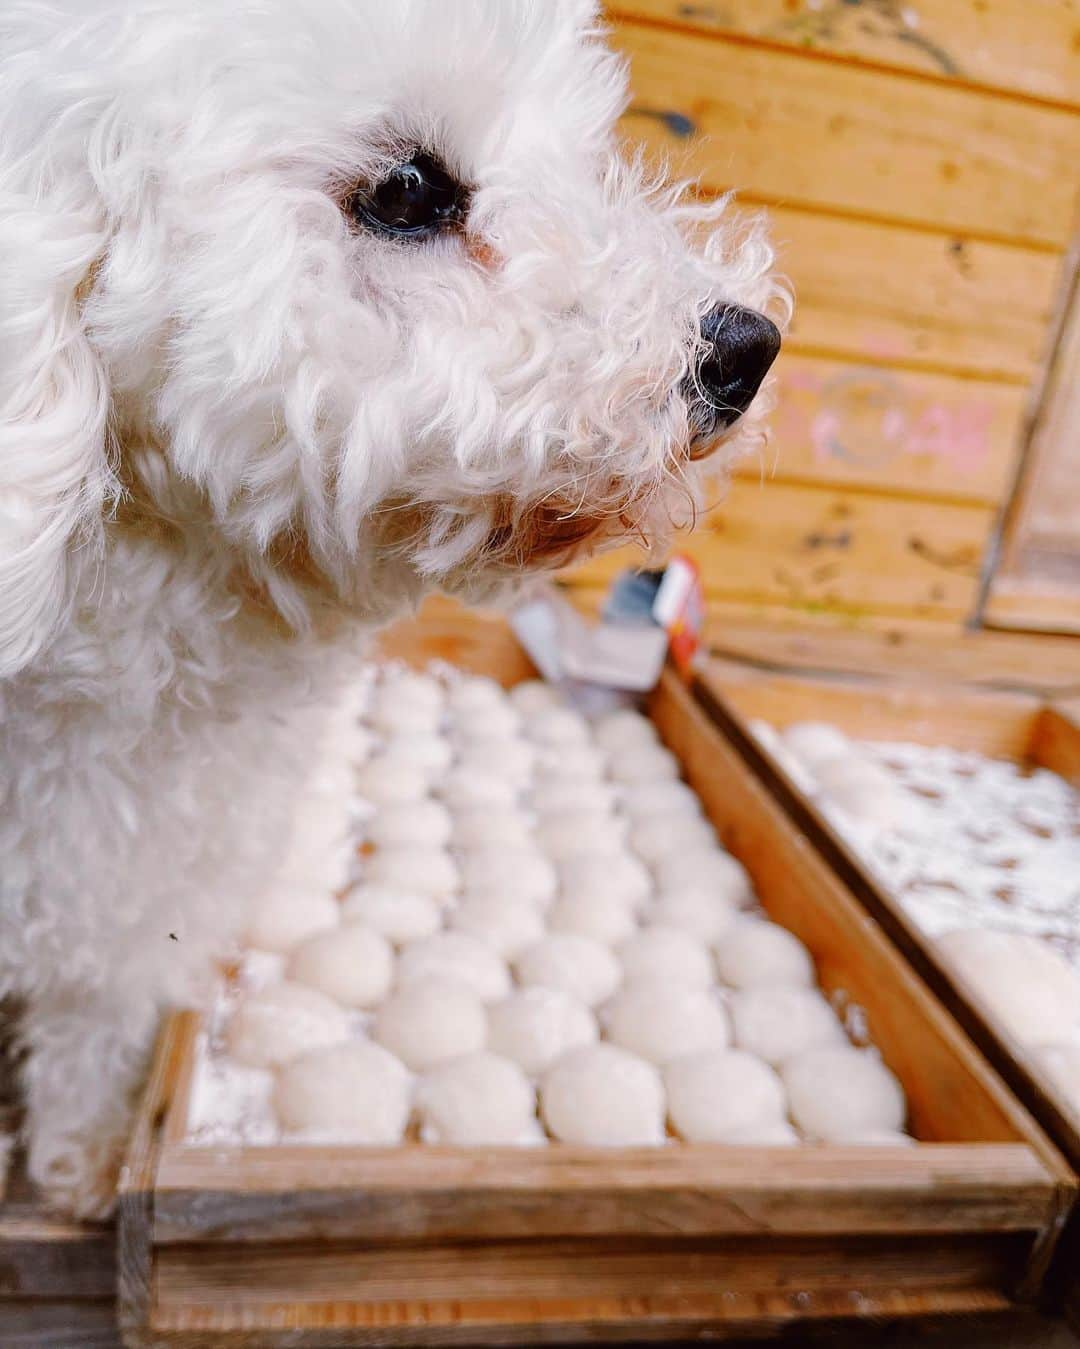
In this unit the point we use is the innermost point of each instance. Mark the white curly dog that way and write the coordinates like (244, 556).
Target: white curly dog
(305, 310)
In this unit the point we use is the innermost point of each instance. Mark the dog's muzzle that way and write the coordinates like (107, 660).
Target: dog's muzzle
(739, 346)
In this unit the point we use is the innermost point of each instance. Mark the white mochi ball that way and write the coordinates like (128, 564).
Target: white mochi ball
(1061, 1063)
(456, 957)
(471, 786)
(644, 763)
(561, 796)
(480, 1099)
(575, 964)
(775, 1021)
(287, 916)
(428, 1023)
(427, 823)
(399, 915)
(643, 800)
(624, 729)
(707, 867)
(354, 965)
(876, 1138)
(616, 875)
(835, 1091)
(658, 837)
(779, 1134)
(662, 1020)
(667, 953)
(576, 834)
(557, 726)
(393, 714)
(569, 763)
(864, 790)
(536, 1026)
(721, 1095)
(402, 685)
(386, 780)
(754, 952)
(352, 1093)
(475, 693)
(532, 696)
(703, 912)
(1028, 986)
(517, 873)
(603, 1096)
(497, 826)
(498, 722)
(813, 742)
(422, 870)
(426, 750)
(512, 760)
(355, 743)
(603, 917)
(506, 925)
(281, 1021)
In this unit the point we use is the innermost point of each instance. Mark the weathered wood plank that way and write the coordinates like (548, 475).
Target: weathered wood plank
(796, 132)
(1029, 47)
(85, 1324)
(911, 652)
(866, 425)
(886, 294)
(644, 1318)
(822, 551)
(46, 1257)
(406, 1193)
(1037, 582)
(273, 1273)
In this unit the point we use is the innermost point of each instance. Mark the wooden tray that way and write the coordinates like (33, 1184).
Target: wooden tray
(1001, 725)
(416, 1245)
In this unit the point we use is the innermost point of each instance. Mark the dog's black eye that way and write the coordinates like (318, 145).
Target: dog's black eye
(415, 199)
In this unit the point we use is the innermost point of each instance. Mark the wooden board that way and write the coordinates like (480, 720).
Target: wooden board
(1029, 47)
(417, 1245)
(841, 423)
(906, 651)
(820, 551)
(996, 724)
(900, 297)
(783, 129)
(1036, 584)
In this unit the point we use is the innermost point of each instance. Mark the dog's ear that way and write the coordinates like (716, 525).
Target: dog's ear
(54, 471)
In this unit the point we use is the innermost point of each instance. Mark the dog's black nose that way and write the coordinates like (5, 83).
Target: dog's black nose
(739, 346)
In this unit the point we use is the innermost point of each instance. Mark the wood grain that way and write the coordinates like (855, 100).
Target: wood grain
(304, 1273)
(1037, 580)
(42, 1256)
(908, 651)
(817, 550)
(1015, 46)
(839, 423)
(440, 1194)
(882, 293)
(998, 724)
(135, 1205)
(723, 1314)
(795, 132)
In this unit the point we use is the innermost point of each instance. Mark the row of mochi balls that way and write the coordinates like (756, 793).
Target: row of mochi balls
(544, 939)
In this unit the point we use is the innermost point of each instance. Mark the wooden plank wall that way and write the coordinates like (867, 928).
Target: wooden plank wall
(919, 162)
(1036, 584)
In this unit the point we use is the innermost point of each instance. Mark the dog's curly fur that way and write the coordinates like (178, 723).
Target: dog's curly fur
(232, 423)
